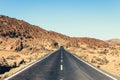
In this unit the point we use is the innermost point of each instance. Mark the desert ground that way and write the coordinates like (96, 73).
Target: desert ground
(107, 59)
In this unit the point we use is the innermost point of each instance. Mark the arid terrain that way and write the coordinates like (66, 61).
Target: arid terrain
(22, 43)
(105, 58)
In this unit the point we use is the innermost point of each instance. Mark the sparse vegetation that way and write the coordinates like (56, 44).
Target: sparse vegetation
(105, 58)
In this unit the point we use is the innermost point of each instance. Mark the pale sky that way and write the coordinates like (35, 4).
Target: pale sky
(77, 18)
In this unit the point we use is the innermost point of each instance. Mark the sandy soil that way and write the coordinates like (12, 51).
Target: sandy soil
(17, 57)
(107, 59)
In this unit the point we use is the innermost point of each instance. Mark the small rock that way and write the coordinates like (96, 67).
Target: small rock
(3, 62)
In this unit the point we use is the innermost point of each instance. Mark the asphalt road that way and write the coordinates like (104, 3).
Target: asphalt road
(60, 65)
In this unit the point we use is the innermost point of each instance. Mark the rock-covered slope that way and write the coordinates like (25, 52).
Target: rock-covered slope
(91, 42)
(20, 31)
(14, 28)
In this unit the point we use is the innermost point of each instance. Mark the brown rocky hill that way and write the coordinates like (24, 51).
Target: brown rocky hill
(91, 42)
(16, 34)
(14, 28)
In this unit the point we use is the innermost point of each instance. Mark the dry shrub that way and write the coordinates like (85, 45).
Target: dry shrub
(99, 60)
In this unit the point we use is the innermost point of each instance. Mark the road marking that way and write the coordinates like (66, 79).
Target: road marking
(96, 68)
(29, 66)
(61, 56)
(61, 61)
(61, 67)
(61, 79)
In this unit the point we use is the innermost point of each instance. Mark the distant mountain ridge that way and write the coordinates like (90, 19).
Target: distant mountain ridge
(19, 29)
(114, 41)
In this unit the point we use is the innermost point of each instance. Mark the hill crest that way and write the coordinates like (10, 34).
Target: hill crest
(13, 28)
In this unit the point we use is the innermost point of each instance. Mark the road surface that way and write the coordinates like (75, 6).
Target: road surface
(60, 65)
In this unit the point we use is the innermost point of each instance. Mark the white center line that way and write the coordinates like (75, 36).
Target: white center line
(61, 67)
(61, 55)
(61, 61)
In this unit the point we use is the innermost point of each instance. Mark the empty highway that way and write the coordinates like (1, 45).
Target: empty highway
(60, 65)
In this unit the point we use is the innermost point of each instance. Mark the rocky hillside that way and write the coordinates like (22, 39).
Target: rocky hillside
(13, 28)
(17, 32)
(91, 42)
